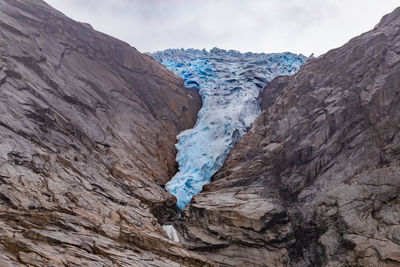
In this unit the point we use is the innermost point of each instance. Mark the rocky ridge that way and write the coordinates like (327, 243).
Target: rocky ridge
(87, 132)
(316, 180)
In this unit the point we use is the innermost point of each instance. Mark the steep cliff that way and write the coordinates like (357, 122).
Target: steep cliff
(316, 180)
(87, 132)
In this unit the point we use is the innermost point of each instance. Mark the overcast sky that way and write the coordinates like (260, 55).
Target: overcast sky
(300, 26)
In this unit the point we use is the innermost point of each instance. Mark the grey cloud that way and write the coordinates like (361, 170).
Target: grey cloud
(302, 26)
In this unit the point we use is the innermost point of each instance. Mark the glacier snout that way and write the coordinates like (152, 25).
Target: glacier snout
(230, 84)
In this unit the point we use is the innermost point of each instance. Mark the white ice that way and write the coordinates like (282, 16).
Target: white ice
(171, 232)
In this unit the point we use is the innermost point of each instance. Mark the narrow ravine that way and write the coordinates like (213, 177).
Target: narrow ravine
(229, 83)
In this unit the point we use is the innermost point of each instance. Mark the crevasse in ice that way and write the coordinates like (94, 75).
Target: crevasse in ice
(229, 83)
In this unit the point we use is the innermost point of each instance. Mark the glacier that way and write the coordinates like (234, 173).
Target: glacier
(229, 83)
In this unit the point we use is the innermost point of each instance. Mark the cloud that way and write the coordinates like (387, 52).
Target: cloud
(301, 26)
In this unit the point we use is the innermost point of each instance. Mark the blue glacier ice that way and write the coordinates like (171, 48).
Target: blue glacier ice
(229, 83)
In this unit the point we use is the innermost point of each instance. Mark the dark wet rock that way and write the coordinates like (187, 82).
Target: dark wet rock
(316, 181)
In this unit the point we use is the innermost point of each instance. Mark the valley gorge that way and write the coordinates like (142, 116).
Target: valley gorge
(310, 176)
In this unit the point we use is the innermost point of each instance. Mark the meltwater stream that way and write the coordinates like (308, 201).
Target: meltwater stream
(229, 83)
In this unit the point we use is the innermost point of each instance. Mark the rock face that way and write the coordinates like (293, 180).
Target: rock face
(87, 132)
(316, 180)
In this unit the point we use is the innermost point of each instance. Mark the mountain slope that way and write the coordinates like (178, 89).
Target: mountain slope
(87, 132)
(316, 180)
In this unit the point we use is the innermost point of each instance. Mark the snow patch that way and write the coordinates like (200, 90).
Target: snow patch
(171, 232)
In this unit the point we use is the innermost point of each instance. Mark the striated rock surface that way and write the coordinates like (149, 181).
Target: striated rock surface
(87, 132)
(316, 180)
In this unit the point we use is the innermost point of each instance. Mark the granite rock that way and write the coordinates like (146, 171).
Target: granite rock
(316, 180)
(87, 132)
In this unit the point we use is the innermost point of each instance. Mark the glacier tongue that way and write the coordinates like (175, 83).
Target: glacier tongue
(229, 83)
